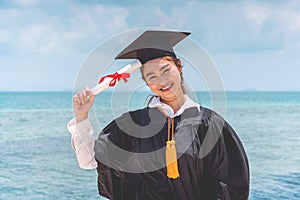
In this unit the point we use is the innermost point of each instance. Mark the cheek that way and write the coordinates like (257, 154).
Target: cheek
(176, 77)
(179, 78)
(152, 87)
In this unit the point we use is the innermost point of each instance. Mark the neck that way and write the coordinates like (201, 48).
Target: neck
(175, 103)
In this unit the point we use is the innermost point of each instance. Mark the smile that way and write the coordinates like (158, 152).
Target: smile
(167, 88)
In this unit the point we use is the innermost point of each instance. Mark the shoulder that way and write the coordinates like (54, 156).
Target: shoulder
(209, 116)
(138, 116)
(133, 120)
(212, 124)
(216, 125)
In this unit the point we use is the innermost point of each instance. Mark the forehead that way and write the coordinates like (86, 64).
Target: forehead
(156, 64)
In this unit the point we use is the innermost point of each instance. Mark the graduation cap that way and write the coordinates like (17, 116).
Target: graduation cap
(148, 46)
(153, 44)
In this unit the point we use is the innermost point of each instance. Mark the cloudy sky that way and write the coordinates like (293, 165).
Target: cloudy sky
(255, 44)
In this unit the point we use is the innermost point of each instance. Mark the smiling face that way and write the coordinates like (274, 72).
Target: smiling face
(163, 77)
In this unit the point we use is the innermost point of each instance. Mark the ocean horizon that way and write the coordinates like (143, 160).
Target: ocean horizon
(38, 162)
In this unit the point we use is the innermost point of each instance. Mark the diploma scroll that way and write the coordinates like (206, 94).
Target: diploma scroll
(130, 68)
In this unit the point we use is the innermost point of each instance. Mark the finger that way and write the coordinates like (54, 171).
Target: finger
(75, 95)
(88, 93)
(83, 92)
(80, 96)
(83, 95)
(76, 100)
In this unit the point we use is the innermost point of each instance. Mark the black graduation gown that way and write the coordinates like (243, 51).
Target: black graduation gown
(131, 159)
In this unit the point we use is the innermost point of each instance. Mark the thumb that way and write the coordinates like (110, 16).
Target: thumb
(89, 93)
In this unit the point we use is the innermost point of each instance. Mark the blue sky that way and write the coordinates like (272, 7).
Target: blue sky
(255, 44)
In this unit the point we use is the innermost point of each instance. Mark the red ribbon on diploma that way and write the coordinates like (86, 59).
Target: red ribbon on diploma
(115, 77)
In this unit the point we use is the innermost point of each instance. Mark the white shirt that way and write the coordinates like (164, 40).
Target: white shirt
(83, 140)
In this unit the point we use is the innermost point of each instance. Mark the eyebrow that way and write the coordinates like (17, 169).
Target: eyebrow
(161, 69)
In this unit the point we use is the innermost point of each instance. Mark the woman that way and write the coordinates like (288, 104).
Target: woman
(209, 161)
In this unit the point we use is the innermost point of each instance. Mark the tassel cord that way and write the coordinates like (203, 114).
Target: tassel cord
(171, 157)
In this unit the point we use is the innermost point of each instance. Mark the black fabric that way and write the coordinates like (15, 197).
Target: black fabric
(152, 44)
(217, 172)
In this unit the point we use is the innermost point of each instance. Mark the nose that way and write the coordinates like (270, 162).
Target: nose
(161, 80)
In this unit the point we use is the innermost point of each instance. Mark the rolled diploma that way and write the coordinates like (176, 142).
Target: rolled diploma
(130, 68)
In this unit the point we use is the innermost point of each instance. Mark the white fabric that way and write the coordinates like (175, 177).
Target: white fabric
(83, 143)
(155, 102)
(83, 140)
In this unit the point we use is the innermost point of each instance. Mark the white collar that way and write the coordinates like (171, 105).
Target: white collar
(155, 102)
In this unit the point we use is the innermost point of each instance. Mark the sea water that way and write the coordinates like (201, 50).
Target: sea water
(38, 162)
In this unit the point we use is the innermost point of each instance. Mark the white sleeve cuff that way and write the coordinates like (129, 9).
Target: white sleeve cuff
(80, 128)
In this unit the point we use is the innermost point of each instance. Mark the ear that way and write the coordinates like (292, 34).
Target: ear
(179, 69)
(179, 66)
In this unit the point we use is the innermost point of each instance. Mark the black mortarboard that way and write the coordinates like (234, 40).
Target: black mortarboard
(153, 44)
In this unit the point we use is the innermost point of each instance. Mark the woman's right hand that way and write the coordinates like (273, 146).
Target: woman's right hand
(82, 102)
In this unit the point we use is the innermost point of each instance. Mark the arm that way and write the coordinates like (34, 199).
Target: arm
(82, 133)
(226, 165)
(83, 143)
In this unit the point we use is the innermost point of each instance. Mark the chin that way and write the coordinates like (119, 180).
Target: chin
(170, 97)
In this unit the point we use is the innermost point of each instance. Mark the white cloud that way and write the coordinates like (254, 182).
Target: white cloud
(257, 14)
(281, 19)
(24, 2)
(164, 19)
(76, 27)
(39, 38)
(222, 26)
(5, 36)
(237, 26)
(95, 21)
(261, 28)
(289, 20)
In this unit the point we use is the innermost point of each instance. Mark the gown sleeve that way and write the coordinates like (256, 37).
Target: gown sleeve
(111, 141)
(226, 165)
(108, 178)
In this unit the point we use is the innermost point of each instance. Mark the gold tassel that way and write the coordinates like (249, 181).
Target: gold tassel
(171, 159)
(171, 155)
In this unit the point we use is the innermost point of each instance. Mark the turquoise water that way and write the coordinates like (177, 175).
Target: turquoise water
(37, 160)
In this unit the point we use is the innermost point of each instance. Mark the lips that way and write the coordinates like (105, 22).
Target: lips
(167, 88)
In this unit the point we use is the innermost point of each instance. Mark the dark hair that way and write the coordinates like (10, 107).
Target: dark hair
(149, 99)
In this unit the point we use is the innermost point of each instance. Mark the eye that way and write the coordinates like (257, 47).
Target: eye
(166, 70)
(152, 78)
